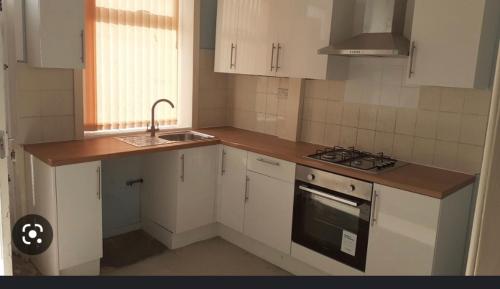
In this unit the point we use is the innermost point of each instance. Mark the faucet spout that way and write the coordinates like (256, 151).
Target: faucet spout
(153, 125)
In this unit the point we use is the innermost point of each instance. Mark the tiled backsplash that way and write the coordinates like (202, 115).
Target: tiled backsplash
(258, 103)
(374, 111)
(44, 105)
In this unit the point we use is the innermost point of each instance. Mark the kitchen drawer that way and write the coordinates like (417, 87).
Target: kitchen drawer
(272, 167)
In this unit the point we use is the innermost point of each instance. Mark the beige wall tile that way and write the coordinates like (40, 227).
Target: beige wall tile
(423, 151)
(386, 119)
(445, 155)
(426, 124)
(384, 142)
(406, 121)
(260, 102)
(452, 99)
(448, 126)
(58, 128)
(336, 90)
(332, 137)
(313, 132)
(470, 158)
(272, 104)
(473, 130)
(57, 103)
(317, 89)
(368, 116)
(213, 117)
(334, 112)
(29, 103)
(348, 136)
(365, 140)
(390, 95)
(30, 130)
(350, 115)
(30, 78)
(403, 147)
(315, 109)
(410, 97)
(430, 98)
(478, 102)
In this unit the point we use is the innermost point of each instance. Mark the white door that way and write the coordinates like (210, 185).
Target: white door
(197, 188)
(232, 186)
(403, 233)
(281, 33)
(79, 214)
(268, 211)
(446, 36)
(226, 44)
(5, 240)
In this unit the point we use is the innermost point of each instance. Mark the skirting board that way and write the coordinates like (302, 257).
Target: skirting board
(122, 230)
(175, 241)
(273, 256)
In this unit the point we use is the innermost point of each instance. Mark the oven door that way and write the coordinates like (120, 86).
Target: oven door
(332, 224)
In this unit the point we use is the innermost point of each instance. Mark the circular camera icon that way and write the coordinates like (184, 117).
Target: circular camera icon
(32, 234)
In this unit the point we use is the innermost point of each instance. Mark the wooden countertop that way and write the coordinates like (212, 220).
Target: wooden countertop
(419, 179)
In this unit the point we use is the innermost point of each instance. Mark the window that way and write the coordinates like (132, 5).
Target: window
(133, 60)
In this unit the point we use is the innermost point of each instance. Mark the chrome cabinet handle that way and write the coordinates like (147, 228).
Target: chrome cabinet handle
(247, 194)
(269, 162)
(82, 36)
(413, 49)
(233, 49)
(272, 56)
(374, 208)
(223, 165)
(278, 57)
(99, 183)
(182, 167)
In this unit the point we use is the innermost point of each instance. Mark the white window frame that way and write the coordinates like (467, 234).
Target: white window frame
(187, 36)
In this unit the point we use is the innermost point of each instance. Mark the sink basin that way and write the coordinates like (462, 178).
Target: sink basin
(184, 136)
(147, 141)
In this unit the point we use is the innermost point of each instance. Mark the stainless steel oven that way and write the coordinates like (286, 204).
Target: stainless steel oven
(331, 215)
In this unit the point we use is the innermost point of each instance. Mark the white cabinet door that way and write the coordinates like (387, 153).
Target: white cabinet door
(254, 45)
(226, 36)
(232, 185)
(55, 33)
(268, 211)
(403, 233)
(197, 188)
(453, 42)
(281, 35)
(79, 214)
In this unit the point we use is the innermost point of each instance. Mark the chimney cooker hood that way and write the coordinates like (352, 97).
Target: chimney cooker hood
(382, 32)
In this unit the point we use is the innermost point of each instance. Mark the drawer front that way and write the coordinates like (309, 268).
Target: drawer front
(271, 167)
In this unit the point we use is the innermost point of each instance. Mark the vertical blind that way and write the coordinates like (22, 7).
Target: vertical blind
(132, 61)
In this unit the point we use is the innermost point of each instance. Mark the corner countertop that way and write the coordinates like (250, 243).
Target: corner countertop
(432, 182)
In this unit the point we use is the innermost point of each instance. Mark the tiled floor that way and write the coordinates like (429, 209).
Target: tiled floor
(208, 258)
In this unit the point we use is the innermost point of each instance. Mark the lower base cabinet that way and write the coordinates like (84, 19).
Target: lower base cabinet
(412, 234)
(268, 211)
(70, 198)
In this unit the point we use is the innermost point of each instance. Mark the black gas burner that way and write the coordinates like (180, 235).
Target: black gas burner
(357, 159)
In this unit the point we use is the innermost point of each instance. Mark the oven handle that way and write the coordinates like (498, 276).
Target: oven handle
(330, 197)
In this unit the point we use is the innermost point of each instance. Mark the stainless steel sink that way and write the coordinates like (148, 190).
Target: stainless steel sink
(148, 141)
(185, 136)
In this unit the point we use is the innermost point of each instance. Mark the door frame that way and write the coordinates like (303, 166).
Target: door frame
(5, 236)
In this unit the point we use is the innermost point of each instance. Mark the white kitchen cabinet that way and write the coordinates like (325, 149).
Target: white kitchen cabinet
(55, 33)
(454, 43)
(232, 186)
(268, 211)
(180, 187)
(282, 38)
(197, 188)
(412, 234)
(69, 197)
(226, 43)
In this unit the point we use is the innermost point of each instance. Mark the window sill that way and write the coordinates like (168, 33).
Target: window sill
(122, 132)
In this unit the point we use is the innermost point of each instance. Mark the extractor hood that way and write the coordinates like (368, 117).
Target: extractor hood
(382, 31)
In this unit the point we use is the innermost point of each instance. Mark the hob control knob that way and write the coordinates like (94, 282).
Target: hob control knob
(311, 177)
(353, 188)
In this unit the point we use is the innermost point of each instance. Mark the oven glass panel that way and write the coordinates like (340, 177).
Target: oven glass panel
(331, 228)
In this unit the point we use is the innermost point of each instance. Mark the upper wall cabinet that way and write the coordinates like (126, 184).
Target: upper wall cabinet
(281, 38)
(454, 43)
(55, 33)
